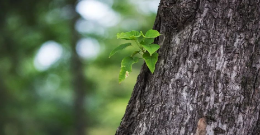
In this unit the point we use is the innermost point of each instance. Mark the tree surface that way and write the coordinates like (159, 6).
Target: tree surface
(206, 80)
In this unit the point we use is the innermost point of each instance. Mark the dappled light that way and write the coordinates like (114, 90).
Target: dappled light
(147, 6)
(51, 85)
(89, 27)
(92, 10)
(56, 77)
(88, 48)
(47, 55)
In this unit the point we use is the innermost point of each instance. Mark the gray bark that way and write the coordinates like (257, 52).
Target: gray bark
(206, 80)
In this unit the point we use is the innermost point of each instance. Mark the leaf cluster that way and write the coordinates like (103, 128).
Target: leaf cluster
(146, 50)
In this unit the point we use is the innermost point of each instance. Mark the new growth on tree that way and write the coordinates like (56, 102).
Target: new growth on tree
(146, 50)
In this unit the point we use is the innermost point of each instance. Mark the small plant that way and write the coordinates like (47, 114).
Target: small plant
(146, 49)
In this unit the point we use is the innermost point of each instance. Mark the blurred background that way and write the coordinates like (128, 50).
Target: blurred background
(55, 74)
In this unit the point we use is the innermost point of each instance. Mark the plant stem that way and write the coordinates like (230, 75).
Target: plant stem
(139, 46)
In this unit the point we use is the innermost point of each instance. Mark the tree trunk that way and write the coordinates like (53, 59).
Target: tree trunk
(78, 78)
(206, 80)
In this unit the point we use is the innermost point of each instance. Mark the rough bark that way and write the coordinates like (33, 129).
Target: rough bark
(206, 80)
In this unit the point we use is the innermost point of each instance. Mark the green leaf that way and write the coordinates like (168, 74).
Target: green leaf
(123, 74)
(126, 67)
(147, 41)
(152, 34)
(128, 62)
(119, 48)
(151, 48)
(132, 35)
(141, 39)
(150, 60)
(135, 53)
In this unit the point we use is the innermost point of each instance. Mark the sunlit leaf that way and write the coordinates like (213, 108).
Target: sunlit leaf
(132, 35)
(119, 48)
(128, 62)
(151, 48)
(126, 67)
(147, 41)
(150, 60)
(152, 34)
(135, 33)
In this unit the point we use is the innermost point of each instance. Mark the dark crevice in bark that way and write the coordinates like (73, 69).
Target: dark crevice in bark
(256, 130)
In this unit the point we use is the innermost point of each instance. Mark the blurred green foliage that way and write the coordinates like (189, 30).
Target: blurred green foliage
(40, 101)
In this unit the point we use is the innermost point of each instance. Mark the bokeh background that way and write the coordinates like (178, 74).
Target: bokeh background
(55, 74)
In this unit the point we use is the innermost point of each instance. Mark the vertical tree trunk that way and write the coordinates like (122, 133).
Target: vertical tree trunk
(206, 79)
(78, 78)
(4, 99)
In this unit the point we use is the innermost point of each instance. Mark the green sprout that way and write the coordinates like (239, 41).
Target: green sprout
(146, 49)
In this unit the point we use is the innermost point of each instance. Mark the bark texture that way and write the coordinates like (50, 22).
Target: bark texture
(206, 80)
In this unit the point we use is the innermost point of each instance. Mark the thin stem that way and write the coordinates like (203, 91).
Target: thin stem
(136, 46)
(139, 52)
(139, 46)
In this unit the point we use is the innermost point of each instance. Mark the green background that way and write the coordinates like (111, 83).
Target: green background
(37, 99)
